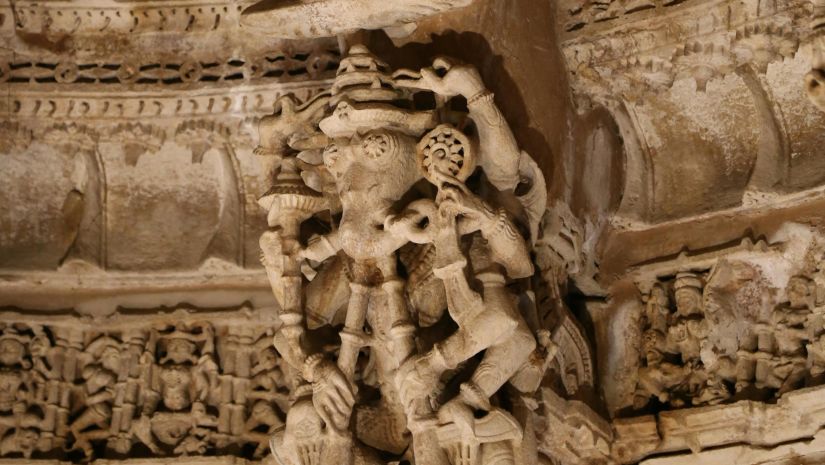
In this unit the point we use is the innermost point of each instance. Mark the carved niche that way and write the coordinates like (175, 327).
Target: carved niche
(405, 223)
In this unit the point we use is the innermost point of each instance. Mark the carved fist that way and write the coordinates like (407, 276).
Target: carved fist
(446, 78)
(457, 200)
(332, 395)
(413, 223)
(416, 381)
(289, 119)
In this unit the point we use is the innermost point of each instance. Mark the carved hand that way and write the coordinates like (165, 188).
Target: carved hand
(413, 223)
(416, 380)
(446, 78)
(289, 119)
(332, 395)
(456, 199)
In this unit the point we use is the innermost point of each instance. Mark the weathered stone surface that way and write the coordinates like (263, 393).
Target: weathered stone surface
(593, 235)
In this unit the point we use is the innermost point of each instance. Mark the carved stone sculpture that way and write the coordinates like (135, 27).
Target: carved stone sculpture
(405, 202)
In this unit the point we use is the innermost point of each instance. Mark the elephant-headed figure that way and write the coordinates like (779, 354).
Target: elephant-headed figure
(364, 156)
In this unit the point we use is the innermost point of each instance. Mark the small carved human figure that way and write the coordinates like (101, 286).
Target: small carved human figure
(181, 382)
(786, 366)
(687, 293)
(657, 312)
(19, 426)
(99, 378)
(657, 377)
(16, 387)
(54, 373)
(679, 366)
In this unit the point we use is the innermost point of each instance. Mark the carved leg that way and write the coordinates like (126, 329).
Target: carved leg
(489, 328)
(353, 333)
(402, 331)
(502, 360)
(224, 410)
(796, 373)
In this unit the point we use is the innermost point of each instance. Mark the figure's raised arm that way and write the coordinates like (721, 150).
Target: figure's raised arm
(499, 152)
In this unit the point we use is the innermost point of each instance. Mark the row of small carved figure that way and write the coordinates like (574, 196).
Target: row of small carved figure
(166, 390)
(278, 66)
(682, 365)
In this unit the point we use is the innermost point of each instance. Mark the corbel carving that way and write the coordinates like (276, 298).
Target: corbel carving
(412, 230)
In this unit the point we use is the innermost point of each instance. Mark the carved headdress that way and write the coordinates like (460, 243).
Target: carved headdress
(7, 355)
(185, 346)
(364, 97)
(687, 280)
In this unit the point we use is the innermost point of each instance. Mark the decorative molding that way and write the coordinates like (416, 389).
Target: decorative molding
(795, 418)
(702, 40)
(134, 17)
(135, 105)
(272, 66)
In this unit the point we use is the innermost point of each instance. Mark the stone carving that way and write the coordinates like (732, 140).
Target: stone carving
(692, 356)
(815, 79)
(274, 65)
(672, 344)
(655, 55)
(329, 17)
(77, 390)
(573, 433)
(410, 221)
(126, 17)
(794, 419)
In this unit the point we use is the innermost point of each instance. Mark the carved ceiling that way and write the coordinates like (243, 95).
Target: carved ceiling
(438, 232)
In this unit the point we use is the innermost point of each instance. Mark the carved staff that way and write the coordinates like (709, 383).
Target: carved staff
(290, 202)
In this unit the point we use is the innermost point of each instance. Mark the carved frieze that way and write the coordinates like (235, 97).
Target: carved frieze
(668, 42)
(131, 385)
(699, 347)
(121, 17)
(688, 74)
